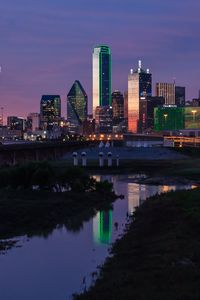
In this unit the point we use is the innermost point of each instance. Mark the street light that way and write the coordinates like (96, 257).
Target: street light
(194, 113)
(165, 116)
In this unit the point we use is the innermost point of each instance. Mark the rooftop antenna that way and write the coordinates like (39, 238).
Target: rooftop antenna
(139, 64)
(131, 71)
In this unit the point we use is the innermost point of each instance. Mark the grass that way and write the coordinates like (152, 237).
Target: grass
(159, 256)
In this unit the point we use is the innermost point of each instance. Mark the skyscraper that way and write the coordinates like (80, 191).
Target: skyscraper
(102, 81)
(50, 110)
(139, 87)
(104, 119)
(146, 115)
(119, 122)
(180, 95)
(166, 90)
(33, 121)
(118, 107)
(126, 105)
(77, 103)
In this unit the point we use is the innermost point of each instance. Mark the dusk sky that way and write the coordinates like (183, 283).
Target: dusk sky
(47, 44)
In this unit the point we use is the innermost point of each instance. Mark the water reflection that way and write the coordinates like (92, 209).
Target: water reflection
(102, 227)
(57, 262)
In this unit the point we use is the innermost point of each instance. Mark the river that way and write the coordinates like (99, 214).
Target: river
(55, 265)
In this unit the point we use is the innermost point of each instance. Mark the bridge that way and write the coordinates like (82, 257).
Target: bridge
(12, 154)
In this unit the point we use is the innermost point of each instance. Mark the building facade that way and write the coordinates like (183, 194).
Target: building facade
(139, 88)
(77, 105)
(16, 123)
(180, 96)
(104, 119)
(146, 115)
(118, 107)
(192, 117)
(33, 121)
(166, 90)
(169, 118)
(50, 111)
(101, 76)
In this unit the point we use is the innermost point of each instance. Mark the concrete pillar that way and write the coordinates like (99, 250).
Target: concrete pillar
(84, 159)
(109, 155)
(75, 156)
(101, 159)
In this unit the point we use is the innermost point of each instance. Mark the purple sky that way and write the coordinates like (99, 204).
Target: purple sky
(47, 44)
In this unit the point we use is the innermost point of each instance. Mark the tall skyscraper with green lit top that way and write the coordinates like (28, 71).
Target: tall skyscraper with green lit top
(102, 76)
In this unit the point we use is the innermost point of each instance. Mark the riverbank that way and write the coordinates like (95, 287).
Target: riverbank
(158, 257)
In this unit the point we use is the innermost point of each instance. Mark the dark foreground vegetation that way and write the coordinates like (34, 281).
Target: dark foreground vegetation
(159, 255)
(35, 198)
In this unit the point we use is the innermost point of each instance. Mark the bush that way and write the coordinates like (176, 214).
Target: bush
(104, 186)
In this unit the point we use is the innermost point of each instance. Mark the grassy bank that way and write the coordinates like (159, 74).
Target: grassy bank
(159, 256)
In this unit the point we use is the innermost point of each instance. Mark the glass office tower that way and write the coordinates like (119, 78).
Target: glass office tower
(139, 88)
(180, 95)
(50, 110)
(77, 103)
(102, 81)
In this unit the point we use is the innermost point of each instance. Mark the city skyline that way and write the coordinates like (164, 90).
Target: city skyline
(43, 57)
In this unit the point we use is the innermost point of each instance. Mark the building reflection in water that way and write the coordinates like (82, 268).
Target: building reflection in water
(138, 193)
(102, 227)
(135, 193)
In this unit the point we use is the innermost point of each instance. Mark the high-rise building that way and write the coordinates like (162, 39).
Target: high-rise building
(180, 95)
(119, 122)
(77, 105)
(118, 107)
(146, 115)
(166, 90)
(33, 121)
(50, 110)
(103, 119)
(16, 123)
(102, 77)
(139, 87)
(126, 105)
